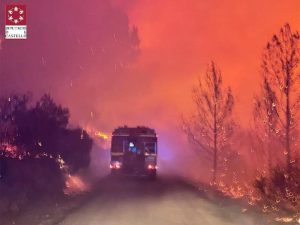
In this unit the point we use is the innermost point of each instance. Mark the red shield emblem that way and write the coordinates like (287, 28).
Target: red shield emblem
(16, 15)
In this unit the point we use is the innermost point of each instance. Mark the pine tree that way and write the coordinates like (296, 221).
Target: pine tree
(210, 125)
(280, 66)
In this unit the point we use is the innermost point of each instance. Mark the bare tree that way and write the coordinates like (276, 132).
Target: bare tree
(280, 65)
(266, 121)
(210, 125)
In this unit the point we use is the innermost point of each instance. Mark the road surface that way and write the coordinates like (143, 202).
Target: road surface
(165, 201)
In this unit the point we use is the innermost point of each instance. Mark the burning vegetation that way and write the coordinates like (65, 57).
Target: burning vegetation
(38, 151)
(272, 181)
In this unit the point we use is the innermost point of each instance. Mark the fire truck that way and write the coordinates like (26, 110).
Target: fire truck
(134, 151)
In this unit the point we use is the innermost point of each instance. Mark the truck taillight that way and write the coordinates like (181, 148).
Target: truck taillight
(115, 165)
(151, 167)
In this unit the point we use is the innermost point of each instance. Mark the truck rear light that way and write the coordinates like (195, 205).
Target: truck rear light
(115, 165)
(151, 167)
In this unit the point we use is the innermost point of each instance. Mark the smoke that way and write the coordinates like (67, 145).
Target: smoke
(100, 159)
(75, 52)
(92, 59)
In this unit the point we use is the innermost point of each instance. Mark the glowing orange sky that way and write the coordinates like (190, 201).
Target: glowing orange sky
(179, 38)
(84, 70)
(85, 57)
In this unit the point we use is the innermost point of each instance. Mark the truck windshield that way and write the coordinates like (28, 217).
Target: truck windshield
(117, 144)
(150, 147)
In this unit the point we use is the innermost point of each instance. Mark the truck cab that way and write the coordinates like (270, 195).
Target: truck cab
(134, 151)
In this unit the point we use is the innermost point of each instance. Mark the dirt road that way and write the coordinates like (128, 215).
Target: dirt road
(165, 201)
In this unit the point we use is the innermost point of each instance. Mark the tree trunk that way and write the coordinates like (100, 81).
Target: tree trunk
(288, 122)
(269, 149)
(269, 155)
(215, 163)
(287, 137)
(215, 159)
(2, 166)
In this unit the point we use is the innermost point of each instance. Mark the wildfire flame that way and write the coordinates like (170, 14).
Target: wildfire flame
(284, 219)
(73, 183)
(97, 133)
(9, 150)
(101, 135)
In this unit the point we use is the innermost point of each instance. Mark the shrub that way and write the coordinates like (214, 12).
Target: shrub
(281, 188)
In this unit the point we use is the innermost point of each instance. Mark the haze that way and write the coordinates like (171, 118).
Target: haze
(91, 59)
